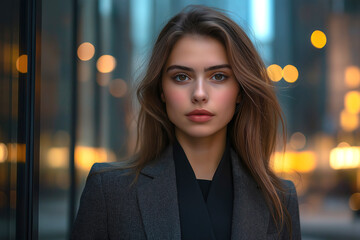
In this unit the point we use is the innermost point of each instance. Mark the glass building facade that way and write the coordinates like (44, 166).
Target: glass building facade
(68, 71)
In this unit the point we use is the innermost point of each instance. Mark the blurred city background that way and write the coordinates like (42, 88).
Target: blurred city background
(70, 103)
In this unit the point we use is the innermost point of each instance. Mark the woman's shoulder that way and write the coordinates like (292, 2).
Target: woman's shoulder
(288, 185)
(290, 194)
(104, 167)
(110, 168)
(292, 206)
(109, 172)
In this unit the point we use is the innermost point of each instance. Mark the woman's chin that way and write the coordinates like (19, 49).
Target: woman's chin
(200, 132)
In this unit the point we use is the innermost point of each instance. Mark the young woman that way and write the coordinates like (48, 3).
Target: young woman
(206, 129)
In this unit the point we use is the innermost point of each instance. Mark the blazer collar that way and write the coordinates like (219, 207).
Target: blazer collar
(157, 198)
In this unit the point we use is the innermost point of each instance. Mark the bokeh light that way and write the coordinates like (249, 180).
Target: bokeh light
(318, 39)
(352, 77)
(106, 64)
(297, 141)
(291, 161)
(16, 152)
(85, 156)
(118, 88)
(352, 102)
(86, 51)
(345, 157)
(3, 152)
(354, 202)
(349, 121)
(275, 72)
(58, 157)
(290, 73)
(22, 63)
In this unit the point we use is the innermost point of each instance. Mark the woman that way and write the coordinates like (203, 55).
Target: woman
(207, 127)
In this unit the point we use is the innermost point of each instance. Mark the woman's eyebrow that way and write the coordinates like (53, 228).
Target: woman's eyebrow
(217, 67)
(179, 67)
(192, 70)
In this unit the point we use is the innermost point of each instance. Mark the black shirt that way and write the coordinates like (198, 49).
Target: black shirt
(205, 186)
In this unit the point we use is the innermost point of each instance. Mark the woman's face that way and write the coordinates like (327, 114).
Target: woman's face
(197, 76)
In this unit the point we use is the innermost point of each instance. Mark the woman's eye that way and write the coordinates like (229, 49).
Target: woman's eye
(219, 77)
(181, 77)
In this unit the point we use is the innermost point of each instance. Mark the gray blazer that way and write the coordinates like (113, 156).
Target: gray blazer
(110, 209)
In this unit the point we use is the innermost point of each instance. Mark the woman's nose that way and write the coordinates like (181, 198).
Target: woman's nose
(199, 93)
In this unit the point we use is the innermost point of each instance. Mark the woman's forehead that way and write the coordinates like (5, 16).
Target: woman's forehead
(197, 51)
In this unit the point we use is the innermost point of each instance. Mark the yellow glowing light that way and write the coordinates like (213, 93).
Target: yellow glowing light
(58, 157)
(352, 102)
(298, 140)
(106, 63)
(352, 77)
(345, 157)
(3, 152)
(303, 162)
(86, 51)
(275, 72)
(118, 88)
(16, 152)
(85, 157)
(349, 121)
(354, 202)
(318, 39)
(290, 73)
(22, 63)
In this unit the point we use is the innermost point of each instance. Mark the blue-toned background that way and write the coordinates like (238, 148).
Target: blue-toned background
(311, 50)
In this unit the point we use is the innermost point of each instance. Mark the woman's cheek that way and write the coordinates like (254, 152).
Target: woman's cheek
(176, 99)
(228, 96)
(226, 103)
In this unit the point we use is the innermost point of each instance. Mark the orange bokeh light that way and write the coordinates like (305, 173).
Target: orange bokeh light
(22, 63)
(106, 64)
(86, 51)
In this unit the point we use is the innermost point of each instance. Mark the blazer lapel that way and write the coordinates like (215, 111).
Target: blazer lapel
(158, 203)
(250, 212)
(157, 198)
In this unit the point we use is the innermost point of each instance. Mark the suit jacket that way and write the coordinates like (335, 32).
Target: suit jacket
(110, 209)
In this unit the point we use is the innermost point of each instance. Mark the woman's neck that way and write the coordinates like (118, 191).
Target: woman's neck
(204, 154)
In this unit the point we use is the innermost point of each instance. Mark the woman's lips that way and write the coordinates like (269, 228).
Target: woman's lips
(200, 112)
(199, 118)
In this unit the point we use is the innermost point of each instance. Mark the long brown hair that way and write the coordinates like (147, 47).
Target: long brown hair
(253, 130)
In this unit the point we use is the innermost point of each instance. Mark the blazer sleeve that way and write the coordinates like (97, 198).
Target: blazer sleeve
(293, 209)
(91, 219)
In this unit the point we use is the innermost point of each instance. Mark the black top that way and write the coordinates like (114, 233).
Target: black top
(205, 207)
(205, 186)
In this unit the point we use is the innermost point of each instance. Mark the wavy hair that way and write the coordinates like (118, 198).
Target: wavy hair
(253, 129)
